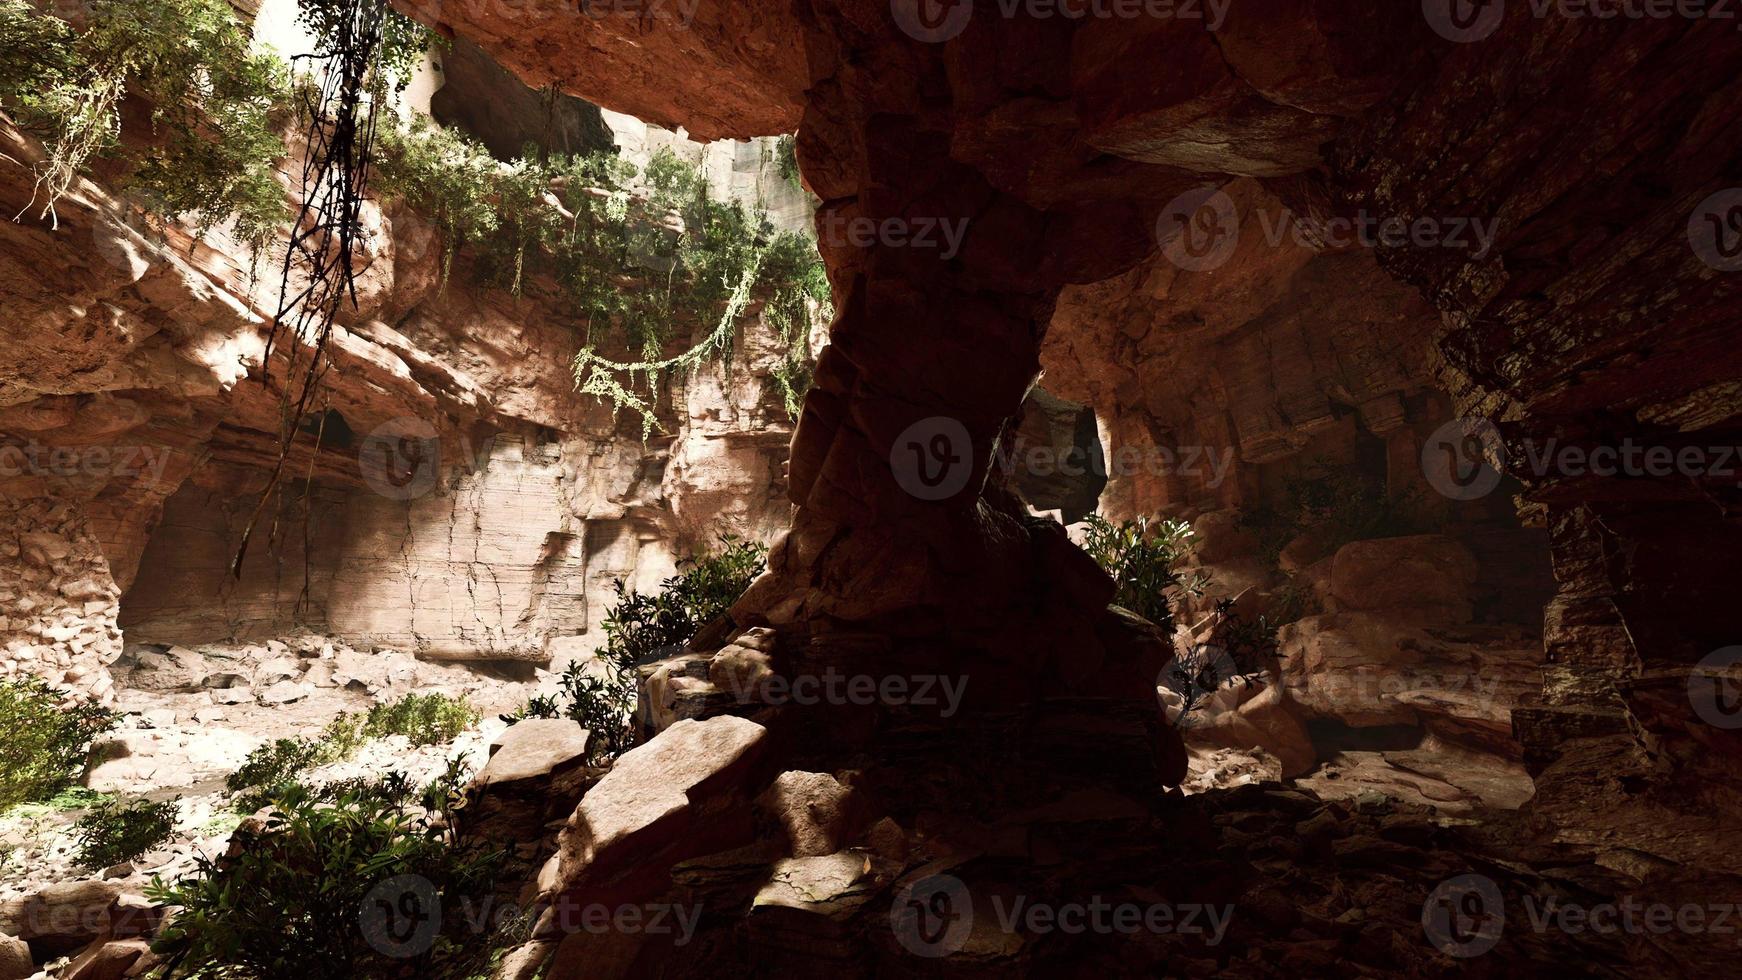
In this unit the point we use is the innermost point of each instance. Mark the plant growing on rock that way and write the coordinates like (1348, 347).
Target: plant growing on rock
(216, 106)
(364, 881)
(47, 739)
(640, 628)
(273, 769)
(1141, 555)
(114, 830)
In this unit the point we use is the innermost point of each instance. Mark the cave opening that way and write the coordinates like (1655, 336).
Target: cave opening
(877, 488)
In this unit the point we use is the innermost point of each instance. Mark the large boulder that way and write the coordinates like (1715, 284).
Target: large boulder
(812, 809)
(1375, 668)
(683, 794)
(15, 962)
(537, 773)
(1429, 575)
(62, 917)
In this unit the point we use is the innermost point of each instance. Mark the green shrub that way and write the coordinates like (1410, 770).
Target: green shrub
(272, 769)
(45, 744)
(115, 831)
(1141, 555)
(301, 898)
(215, 105)
(640, 628)
(425, 719)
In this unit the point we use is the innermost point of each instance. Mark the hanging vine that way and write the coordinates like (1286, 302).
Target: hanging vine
(365, 50)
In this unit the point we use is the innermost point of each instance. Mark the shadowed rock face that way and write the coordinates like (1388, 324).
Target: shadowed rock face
(1558, 168)
(1011, 197)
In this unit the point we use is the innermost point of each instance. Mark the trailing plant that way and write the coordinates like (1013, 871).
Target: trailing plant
(366, 51)
(425, 719)
(1338, 502)
(114, 831)
(786, 157)
(633, 252)
(640, 628)
(372, 879)
(47, 740)
(1141, 556)
(217, 107)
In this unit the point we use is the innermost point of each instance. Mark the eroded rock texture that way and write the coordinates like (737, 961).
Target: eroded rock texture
(1585, 146)
(464, 503)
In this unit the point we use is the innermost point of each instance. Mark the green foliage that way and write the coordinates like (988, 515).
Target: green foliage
(272, 770)
(642, 627)
(425, 719)
(295, 900)
(216, 107)
(115, 831)
(634, 256)
(45, 744)
(1141, 555)
(1339, 503)
(786, 156)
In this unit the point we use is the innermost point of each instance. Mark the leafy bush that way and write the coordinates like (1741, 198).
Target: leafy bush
(115, 831)
(45, 745)
(216, 106)
(1339, 500)
(318, 891)
(425, 719)
(1141, 556)
(640, 628)
(273, 769)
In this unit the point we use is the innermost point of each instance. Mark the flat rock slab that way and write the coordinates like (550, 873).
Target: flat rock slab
(535, 749)
(680, 795)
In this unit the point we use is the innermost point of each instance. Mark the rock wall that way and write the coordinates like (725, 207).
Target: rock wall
(58, 598)
(463, 501)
